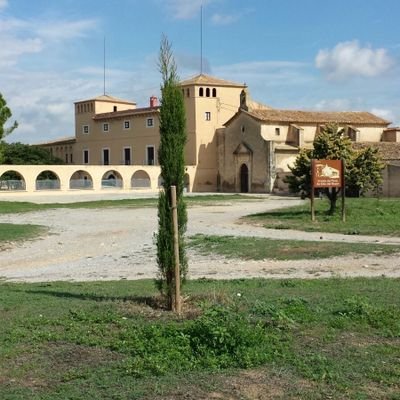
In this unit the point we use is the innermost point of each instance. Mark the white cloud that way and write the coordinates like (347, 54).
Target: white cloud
(19, 37)
(12, 48)
(3, 4)
(348, 59)
(384, 113)
(334, 105)
(64, 30)
(265, 73)
(224, 19)
(185, 9)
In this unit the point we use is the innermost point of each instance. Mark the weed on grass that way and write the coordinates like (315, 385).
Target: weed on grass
(336, 338)
(9, 207)
(253, 248)
(364, 216)
(14, 232)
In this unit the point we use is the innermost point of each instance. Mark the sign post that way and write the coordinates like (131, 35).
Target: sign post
(178, 305)
(312, 195)
(327, 174)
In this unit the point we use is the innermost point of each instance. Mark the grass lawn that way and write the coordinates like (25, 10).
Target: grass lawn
(13, 232)
(254, 248)
(240, 339)
(7, 207)
(365, 216)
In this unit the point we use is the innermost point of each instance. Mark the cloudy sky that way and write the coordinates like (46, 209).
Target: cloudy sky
(308, 54)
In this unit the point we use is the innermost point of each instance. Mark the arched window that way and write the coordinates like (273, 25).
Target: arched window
(214, 92)
(201, 92)
(188, 92)
(208, 92)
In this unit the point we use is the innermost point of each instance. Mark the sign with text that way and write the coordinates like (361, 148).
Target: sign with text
(327, 173)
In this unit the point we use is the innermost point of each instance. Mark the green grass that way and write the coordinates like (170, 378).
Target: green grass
(240, 339)
(365, 216)
(254, 248)
(14, 232)
(8, 207)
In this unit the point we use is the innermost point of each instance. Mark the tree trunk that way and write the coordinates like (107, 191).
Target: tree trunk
(332, 196)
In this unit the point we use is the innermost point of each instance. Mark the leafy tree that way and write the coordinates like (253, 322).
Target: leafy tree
(19, 154)
(171, 158)
(363, 168)
(5, 115)
(365, 172)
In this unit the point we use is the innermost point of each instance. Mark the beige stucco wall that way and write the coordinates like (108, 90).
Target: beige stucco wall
(201, 145)
(201, 148)
(137, 138)
(241, 143)
(268, 132)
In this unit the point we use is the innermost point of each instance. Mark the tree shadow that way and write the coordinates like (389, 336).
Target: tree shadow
(154, 302)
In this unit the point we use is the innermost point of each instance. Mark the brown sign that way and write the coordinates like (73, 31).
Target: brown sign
(327, 173)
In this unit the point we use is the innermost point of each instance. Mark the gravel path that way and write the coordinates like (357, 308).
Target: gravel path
(112, 243)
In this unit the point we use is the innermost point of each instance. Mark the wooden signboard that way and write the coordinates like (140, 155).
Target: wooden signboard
(327, 174)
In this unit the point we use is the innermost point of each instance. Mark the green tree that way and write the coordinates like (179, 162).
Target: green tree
(5, 115)
(171, 159)
(363, 168)
(20, 154)
(364, 172)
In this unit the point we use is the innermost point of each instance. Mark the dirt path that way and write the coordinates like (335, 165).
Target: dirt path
(108, 244)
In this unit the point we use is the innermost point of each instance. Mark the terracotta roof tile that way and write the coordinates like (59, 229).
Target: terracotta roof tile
(60, 141)
(319, 117)
(389, 151)
(107, 98)
(203, 79)
(127, 113)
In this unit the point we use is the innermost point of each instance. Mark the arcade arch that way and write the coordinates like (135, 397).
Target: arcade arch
(140, 179)
(12, 180)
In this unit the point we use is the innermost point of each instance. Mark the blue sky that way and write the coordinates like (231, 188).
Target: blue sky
(308, 54)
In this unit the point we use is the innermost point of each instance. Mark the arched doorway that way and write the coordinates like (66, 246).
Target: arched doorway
(244, 179)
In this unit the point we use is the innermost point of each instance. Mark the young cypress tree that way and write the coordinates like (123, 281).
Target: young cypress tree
(171, 159)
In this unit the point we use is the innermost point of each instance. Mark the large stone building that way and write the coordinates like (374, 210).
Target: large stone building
(234, 144)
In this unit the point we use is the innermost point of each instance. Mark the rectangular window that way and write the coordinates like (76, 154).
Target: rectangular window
(127, 124)
(106, 156)
(106, 127)
(149, 122)
(70, 158)
(277, 131)
(150, 155)
(66, 158)
(127, 156)
(86, 156)
(85, 129)
(208, 116)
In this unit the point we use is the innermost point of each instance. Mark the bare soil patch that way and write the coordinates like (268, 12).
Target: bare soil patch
(113, 244)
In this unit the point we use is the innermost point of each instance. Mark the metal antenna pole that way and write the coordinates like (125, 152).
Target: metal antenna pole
(201, 39)
(104, 66)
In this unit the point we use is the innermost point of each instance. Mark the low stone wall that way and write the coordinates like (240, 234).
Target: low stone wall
(391, 181)
(95, 178)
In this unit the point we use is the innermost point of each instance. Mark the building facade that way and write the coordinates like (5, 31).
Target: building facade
(233, 144)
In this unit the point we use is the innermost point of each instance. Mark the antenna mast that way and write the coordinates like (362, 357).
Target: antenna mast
(201, 39)
(104, 66)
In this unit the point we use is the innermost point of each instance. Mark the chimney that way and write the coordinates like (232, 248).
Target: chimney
(153, 101)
